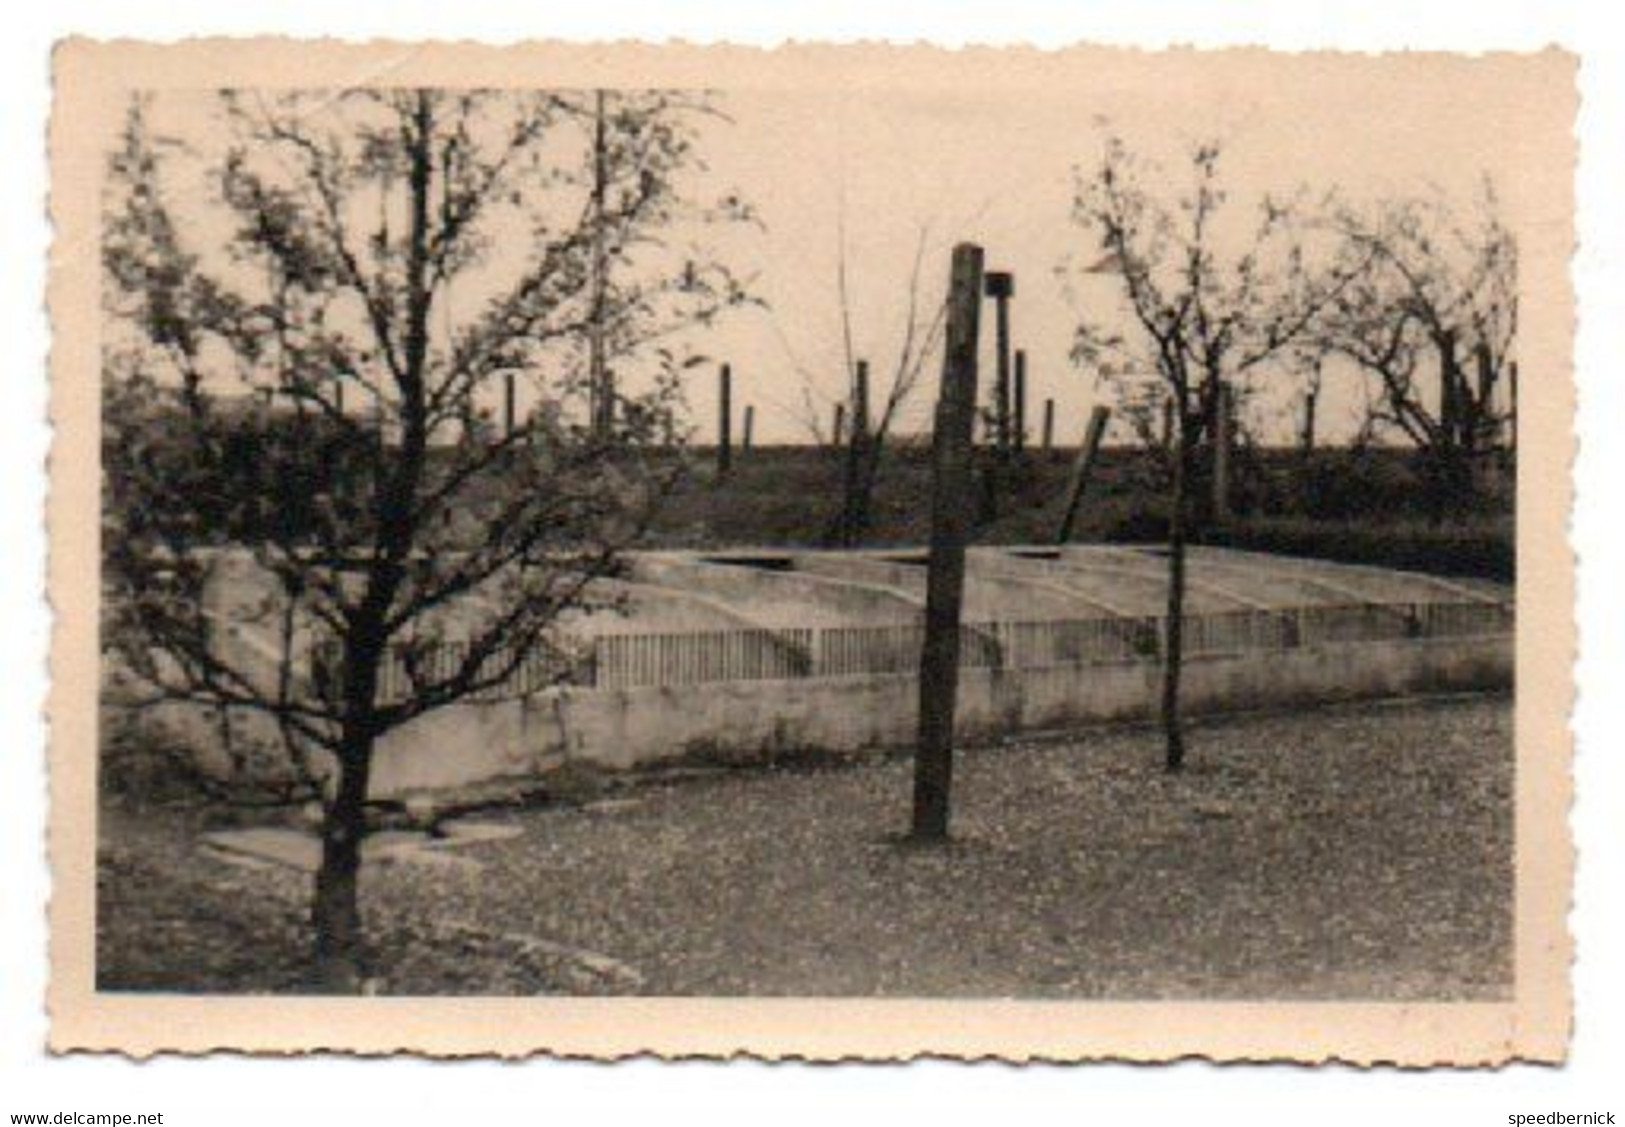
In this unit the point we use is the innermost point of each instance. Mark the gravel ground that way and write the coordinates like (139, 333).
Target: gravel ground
(1349, 853)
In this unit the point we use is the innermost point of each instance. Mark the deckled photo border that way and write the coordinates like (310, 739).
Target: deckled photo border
(90, 82)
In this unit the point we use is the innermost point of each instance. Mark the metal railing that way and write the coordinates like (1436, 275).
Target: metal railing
(623, 661)
(629, 660)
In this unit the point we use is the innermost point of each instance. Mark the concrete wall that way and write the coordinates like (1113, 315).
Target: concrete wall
(622, 728)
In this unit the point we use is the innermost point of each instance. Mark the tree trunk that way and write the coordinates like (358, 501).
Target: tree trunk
(1451, 450)
(1174, 643)
(1306, 454)
(336, 910)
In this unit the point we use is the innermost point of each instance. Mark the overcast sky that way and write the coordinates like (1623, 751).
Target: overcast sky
(995, 167)
(993, 163)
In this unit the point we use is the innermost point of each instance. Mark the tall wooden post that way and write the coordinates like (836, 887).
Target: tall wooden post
(1223, 425)
(724, 420)
(1081, 470)
(1049, 425)
(1307, 482)
(1019, 438)
(854, 515)
(509, 418)
(338, 396)
(750, 426)
(860, 401)
(838, 427)
(950, 521)
(1001, 287)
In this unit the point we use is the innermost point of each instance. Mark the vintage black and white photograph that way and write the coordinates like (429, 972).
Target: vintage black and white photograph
(936, 529)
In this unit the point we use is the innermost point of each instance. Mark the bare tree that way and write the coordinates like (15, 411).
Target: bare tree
(419, 249)
(1437, 293)
(868, 428)
(1208, 303)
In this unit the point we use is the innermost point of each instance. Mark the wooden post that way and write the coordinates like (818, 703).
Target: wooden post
(1049, 425)
(1307, 435)
(509, 416)
(853, 515)
(950, 520)
(838, 428)
(750, 426)
(1222, 427)
(1167, 423)
(860, 401)
(1020, 437)
(724, 420)
(338, 396)
(1080, 471)
(1001, 287)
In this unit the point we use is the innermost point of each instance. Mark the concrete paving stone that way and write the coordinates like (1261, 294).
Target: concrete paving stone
(463, 831)
(297, 849)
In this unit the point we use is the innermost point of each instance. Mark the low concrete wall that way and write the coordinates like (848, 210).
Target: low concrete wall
(475, 743)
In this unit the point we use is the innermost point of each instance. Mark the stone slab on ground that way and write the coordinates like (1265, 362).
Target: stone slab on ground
(302, 850)
(461, 831)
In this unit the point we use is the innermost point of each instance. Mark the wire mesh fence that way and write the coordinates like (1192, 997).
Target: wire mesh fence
(632, 660)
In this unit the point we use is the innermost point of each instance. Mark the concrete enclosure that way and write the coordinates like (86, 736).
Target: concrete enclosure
(746, 720)
(748, 654)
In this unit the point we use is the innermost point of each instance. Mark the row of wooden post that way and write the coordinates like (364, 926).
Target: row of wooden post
(838, 413)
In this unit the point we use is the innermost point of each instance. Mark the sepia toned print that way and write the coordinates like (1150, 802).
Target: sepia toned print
(835, 552)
